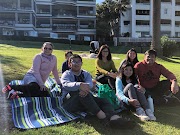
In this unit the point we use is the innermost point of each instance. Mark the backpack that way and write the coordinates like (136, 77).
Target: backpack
(104, 91)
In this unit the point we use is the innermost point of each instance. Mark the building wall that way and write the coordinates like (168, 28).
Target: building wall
(140, 17)
(49, 18)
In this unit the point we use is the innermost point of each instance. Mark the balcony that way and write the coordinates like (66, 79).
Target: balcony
(7, 23)
(64, 27)
(64, 15)
(43, 12)
(86, 14)
(64, 1)
(86, 2)
(7, 8)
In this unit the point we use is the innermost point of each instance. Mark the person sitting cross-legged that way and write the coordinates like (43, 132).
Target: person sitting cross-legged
(78, 82)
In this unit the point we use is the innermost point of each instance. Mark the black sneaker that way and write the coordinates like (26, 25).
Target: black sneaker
(171, 99)
(121, 123)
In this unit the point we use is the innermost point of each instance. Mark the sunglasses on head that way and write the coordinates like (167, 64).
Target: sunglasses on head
(45, 48)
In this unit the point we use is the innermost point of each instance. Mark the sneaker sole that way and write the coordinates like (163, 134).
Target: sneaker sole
(6, 88)
(141, 117)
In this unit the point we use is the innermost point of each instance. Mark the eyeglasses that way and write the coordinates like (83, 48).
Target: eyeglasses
(105, 51)
(76, 62)
(45, 48)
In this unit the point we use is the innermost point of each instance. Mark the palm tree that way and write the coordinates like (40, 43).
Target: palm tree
(156, 44)
(111, 11)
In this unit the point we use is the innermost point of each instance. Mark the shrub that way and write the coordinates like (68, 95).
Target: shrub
(169, 47)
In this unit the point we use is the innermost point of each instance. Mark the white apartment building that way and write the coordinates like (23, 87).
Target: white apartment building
(63, 19)
(137, 22)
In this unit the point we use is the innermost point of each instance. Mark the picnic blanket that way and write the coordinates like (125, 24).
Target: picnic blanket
(37, 112)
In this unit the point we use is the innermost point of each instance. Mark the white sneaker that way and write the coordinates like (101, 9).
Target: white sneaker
(140, 113)
(150, 114)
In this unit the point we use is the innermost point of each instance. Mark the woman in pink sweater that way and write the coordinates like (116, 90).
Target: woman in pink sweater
(34, 80)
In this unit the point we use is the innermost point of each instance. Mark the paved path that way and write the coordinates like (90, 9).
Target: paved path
(5, 109)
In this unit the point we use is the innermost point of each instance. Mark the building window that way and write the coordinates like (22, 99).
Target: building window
(177, 2)
(142, 12)
(166, 33)
(177, 34)
(177, 23)
(126, 22)
(165, 0)
(141, 22)
(142, 1)
(177, 13)
(165, 11)
(166, 22)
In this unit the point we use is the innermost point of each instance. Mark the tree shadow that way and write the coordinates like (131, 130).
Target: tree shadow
(170, 60)
(101, 129)
(57, 46)
(176, 58)
(167, 115)
(11, 63)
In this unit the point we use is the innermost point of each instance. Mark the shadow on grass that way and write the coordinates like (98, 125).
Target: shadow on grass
(101, 129)
(57, 46)
(11, 68)
(170, 60)
(167, 115)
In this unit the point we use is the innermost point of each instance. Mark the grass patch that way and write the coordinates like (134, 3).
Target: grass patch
(16, 58)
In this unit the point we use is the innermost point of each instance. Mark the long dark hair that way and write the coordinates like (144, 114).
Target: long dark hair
(123, 77)
(99, 55)
(135, 59)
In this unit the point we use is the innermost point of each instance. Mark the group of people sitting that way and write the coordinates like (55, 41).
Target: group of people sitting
(132, 83)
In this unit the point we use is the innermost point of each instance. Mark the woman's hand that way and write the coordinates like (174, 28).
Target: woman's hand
(141, 89)
(43, 88)
(113, 75)
(134, 102)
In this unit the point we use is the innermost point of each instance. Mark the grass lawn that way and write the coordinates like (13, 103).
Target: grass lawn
(16, 58)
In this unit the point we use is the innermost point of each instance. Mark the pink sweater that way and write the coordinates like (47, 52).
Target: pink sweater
(42, 68)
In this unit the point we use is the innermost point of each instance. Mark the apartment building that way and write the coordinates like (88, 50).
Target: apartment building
(137, 21)
(63, 19)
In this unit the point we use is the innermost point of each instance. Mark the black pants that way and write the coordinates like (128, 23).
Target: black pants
(106, 80)
(162, 88)
(30, 90)
(88, 104)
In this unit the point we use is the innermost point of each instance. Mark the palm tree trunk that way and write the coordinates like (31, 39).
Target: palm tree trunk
(156, 44)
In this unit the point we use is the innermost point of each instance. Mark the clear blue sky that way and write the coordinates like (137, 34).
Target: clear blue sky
(99, 1)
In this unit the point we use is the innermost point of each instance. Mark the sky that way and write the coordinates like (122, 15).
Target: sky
(99, 1)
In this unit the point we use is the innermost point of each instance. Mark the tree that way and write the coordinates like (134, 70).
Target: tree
(156, 27)
(110, 12)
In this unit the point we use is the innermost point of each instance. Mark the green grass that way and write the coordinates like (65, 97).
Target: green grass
(16, 58)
